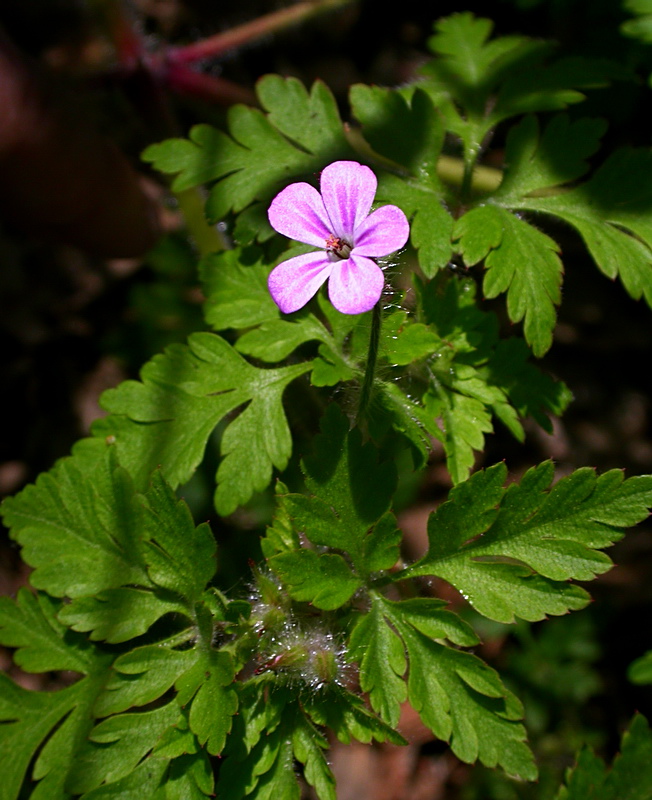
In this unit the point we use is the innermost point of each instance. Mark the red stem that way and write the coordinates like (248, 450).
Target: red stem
(262, 26)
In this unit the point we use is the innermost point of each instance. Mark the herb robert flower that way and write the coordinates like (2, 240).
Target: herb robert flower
(338, 221)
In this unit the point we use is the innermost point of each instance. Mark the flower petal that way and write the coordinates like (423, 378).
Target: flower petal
(355, 285)
(382, 232)
(298, 212)
(293, 282)
(348, 189)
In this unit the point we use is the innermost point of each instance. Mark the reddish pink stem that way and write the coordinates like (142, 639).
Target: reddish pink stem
(211, 88)
(262, 26)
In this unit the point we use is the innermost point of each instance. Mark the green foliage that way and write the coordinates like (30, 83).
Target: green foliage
(610, 211)
(641, 26)
(457, 696)
(168, 417)
(630, 777)
(511, 551)
(171, 670)
(464, 374)
(299, 134)
(345, 509)
(478, 82)
(167, 563)
(410, 132)
(640, 671)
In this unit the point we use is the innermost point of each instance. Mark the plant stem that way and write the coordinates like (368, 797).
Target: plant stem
(466, 188)
(262, 26)
(482, 179)
(207, 238)
(372, 356)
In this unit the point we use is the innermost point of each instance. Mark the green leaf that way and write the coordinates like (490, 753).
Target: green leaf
(300, 133)
(404, 341)
(349, 491)
(209, 683)
(525, 264)
(630, 777)
(117, 745)
(180, 557)
(142, 676)
(477, 82)
(194, 161)
(382, 546)
(409, 131)
(190, 777)
(467, 59)
(556, 157)
(554, 86)
(611, 212)
(468, 372)
(344, 473)
(177, 740)
(308, 746)
(325, 580)
(145, 781)
(274, 341)
(167, 419)
(45, 728)
(44, 645)
(346, 715)
(430, 617)
(407, 418)
(510, 552)
(431, 224)
(474, 374)
(78, 529)
(468, 69)
(265, 768)
(640, 671)
(462, 700)
(117, 615)
(280, 536)
(379, 652)
(262, 702)
(641, 26)
(465, 421)
(234, 283)
(279, 780)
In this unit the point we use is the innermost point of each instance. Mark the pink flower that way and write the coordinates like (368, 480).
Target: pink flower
(338, 221)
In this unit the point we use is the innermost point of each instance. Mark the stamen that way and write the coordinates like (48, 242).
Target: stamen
(338, 247)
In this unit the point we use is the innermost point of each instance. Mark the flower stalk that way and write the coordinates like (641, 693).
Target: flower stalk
(370, 369)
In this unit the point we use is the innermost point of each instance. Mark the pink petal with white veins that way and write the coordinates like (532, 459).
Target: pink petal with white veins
(348, 189)
(382, 232)
(355, 285)
(294, 282)
(298, 212)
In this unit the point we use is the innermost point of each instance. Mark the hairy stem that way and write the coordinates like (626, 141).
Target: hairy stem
(372, 356)
(262, 26)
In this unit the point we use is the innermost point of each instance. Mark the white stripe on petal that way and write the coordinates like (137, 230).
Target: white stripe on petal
(348, 189)
(298, 212)
(381, 233)
(294, 282)
(355, 285)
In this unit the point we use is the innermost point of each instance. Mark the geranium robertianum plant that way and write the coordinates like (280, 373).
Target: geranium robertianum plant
(335, 632)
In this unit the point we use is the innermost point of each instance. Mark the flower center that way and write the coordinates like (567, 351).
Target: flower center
(339, 248)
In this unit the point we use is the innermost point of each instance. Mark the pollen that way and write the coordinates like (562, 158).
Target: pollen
(338, 247)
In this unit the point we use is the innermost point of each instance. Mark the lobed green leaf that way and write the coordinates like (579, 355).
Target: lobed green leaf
(629, 778)
(511, 551)
(167, 419)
